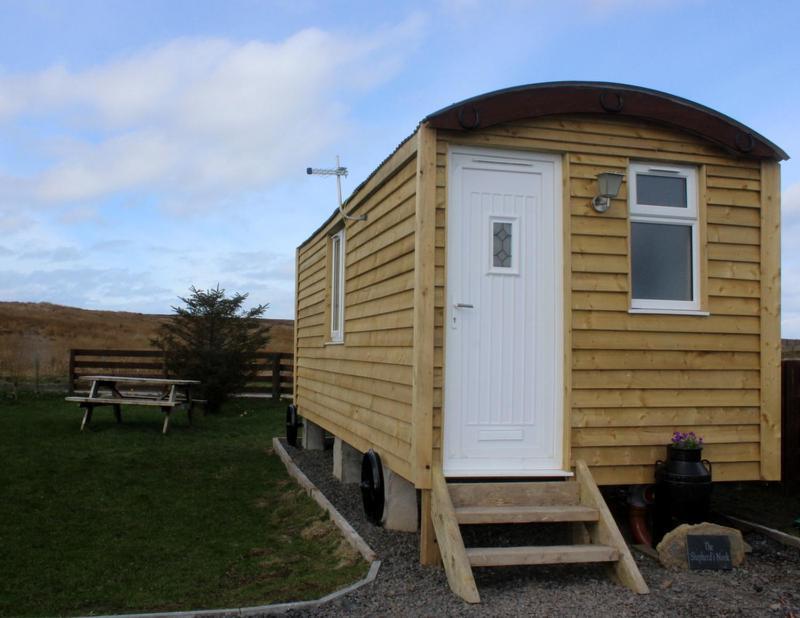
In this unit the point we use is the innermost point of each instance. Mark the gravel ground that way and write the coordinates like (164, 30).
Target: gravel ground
(767, 585)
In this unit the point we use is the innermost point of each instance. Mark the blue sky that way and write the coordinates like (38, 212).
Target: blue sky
(149, 146)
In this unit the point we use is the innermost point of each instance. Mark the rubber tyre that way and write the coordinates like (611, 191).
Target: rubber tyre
(291, 425)
(372, 488)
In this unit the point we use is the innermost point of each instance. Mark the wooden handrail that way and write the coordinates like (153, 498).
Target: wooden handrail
(454, 555)
(605, 531)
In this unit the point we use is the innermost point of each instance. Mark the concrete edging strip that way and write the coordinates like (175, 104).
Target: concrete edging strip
(278, 608)
(352, 537)
(349, 532)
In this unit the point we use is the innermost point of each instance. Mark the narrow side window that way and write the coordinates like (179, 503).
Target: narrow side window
(337, 286)
(664, 237)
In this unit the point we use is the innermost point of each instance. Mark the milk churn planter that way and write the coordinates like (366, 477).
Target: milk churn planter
(683, 485)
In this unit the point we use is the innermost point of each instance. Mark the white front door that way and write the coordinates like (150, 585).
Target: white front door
(504, 360)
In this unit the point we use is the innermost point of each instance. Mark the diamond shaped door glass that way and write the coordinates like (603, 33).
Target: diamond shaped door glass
(501, 251)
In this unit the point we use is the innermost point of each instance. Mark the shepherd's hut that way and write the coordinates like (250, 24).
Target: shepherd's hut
(507, 325)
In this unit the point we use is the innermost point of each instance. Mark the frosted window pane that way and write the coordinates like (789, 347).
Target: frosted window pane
(661, 191)
(501, 251)
(661, 260)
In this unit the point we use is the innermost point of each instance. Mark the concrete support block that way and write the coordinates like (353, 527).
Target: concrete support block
(313, 436)
(346, 462)
(400, 509)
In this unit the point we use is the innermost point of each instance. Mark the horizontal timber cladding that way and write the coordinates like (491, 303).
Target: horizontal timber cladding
(636, 378)
(361, 390)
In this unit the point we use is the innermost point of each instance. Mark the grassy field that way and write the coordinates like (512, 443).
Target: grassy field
(123, 519)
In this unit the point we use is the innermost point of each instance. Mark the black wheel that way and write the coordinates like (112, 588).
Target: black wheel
(291, 425)
(372, 486)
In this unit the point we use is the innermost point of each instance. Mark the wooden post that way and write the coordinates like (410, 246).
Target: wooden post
(276, 377)
(566, 308)
(71, 373)
(428, 549)
(423, 342)
(770, 321)
(290, 366)
(296, 318)
(87, 416)
(166, 410)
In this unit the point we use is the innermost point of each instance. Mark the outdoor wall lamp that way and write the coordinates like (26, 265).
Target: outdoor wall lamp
(608, 184)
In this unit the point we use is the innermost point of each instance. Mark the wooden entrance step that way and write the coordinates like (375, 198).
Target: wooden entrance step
(515, 493)
(577, 503)
(553, 554)
(524, 514)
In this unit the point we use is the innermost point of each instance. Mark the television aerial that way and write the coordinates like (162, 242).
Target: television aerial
(338, 171)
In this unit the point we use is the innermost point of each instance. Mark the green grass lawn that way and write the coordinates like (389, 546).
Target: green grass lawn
(122, 519)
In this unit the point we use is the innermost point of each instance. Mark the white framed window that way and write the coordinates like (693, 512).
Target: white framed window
(664, 244)
(503, 256)
(337, 287)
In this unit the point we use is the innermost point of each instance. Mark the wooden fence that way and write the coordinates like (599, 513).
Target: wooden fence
(790, 431)
(273, 379)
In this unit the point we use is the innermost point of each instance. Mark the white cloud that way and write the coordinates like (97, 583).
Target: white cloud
(13, 222)
(790, 200)
(85, 287)
(118, 164)
(196, 119)
(56, 255)
(790, 267)
(80, 214)
(790, 309)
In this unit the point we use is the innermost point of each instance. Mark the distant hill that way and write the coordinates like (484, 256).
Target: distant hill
(43, 331)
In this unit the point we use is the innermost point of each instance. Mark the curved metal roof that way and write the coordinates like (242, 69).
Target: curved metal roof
(545, 99)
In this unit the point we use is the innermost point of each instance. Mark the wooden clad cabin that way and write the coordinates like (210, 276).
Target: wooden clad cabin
(486, 320)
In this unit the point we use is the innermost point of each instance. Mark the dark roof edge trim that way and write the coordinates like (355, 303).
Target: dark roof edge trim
(604, 98)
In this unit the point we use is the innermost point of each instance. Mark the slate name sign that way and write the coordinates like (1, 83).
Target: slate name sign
(709, 551)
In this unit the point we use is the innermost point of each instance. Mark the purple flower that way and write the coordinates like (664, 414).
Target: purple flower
(687, 440)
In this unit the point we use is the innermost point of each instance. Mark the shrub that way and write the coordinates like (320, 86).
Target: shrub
(214, 340)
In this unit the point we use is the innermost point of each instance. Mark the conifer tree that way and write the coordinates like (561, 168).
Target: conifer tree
(213, 339)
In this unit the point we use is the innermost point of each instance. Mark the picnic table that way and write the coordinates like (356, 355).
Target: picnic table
(109, 391)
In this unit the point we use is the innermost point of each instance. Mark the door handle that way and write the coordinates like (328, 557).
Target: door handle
(464, 306)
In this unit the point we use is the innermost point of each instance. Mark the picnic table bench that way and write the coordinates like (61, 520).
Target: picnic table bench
(107, 391)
